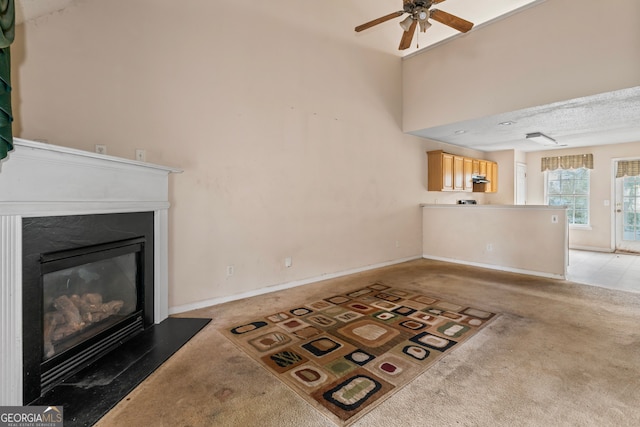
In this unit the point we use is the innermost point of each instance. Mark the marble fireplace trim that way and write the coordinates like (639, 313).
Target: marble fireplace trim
(40, 179)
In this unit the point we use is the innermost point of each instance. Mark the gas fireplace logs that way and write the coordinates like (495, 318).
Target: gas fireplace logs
(75, 313)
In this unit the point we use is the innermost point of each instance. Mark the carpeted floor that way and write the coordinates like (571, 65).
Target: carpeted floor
(347, 352)
(559, 354)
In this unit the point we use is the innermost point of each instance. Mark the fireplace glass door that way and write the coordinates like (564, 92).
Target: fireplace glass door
(84, 300)
(88, 291)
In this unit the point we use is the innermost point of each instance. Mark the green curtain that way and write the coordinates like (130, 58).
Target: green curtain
(7, 32)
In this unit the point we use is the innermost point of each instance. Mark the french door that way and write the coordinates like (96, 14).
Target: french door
(628, 213)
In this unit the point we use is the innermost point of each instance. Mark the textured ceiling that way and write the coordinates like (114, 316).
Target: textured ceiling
(608, 118)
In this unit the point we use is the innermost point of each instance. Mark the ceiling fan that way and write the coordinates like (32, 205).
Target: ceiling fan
(419, 13)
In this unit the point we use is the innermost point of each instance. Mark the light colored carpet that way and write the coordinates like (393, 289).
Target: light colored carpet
(348, 352)
(560, 354)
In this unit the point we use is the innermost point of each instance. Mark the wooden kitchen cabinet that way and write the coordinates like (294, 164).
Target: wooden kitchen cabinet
(468, 174)
(491, 173)
(458, 173)
(492, 176)
(449, 172)
(440, 173)
(482, 171)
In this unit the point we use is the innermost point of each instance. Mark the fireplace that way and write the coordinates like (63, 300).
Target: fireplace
(62, 210)
(87, 288)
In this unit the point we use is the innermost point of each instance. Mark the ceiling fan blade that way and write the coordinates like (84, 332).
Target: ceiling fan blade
(420, 3)
(379, 20)
(407, 36)
(451, 20)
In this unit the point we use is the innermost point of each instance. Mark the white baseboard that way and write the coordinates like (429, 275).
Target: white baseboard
(283, 286)
(592, 249)
(499, 267)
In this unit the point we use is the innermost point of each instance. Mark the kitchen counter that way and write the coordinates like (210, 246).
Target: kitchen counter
(543, 207)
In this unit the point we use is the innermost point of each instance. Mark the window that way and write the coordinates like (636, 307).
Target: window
(570, 187)
(631, 208)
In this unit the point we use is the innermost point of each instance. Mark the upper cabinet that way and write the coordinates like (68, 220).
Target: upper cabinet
(446, 176)
(449, 172)
(468, 173)
(492, 177)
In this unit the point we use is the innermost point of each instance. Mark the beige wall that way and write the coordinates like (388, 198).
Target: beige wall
(506, 173)
(554, 51)
(290, 141)
(599, 236)
(498, 237)
(548, 58)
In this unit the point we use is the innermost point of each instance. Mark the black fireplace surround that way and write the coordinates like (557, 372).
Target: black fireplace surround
(57, 242)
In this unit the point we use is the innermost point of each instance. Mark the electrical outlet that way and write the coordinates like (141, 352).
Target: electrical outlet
(397, 243)
(141, 155)
(101, 149)
(230, 270)
(489, 247)
(288, 262)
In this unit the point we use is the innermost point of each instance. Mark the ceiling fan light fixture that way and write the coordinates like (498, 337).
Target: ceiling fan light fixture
(424, 25)
(541, 138)
(406, 23)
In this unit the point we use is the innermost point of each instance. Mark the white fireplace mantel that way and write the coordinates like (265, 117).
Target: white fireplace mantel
(38, 179)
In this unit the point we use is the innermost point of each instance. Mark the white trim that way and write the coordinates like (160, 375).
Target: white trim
(31, 209)
(584, 227)
(11, 310)
(35, 145)
(612, 204)
(160, 265)
(498, 267)
(592, 249)
(515, 184)
(283, 286)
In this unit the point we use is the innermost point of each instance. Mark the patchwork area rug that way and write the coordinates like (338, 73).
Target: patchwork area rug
(346, 353)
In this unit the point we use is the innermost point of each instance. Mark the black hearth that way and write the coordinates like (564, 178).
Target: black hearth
(87, 288)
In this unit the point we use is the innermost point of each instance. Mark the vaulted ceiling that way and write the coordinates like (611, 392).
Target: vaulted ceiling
(350, 13)
(596, 120)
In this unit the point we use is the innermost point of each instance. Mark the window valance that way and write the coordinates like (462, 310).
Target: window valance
(628, 168)
(567, 162)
